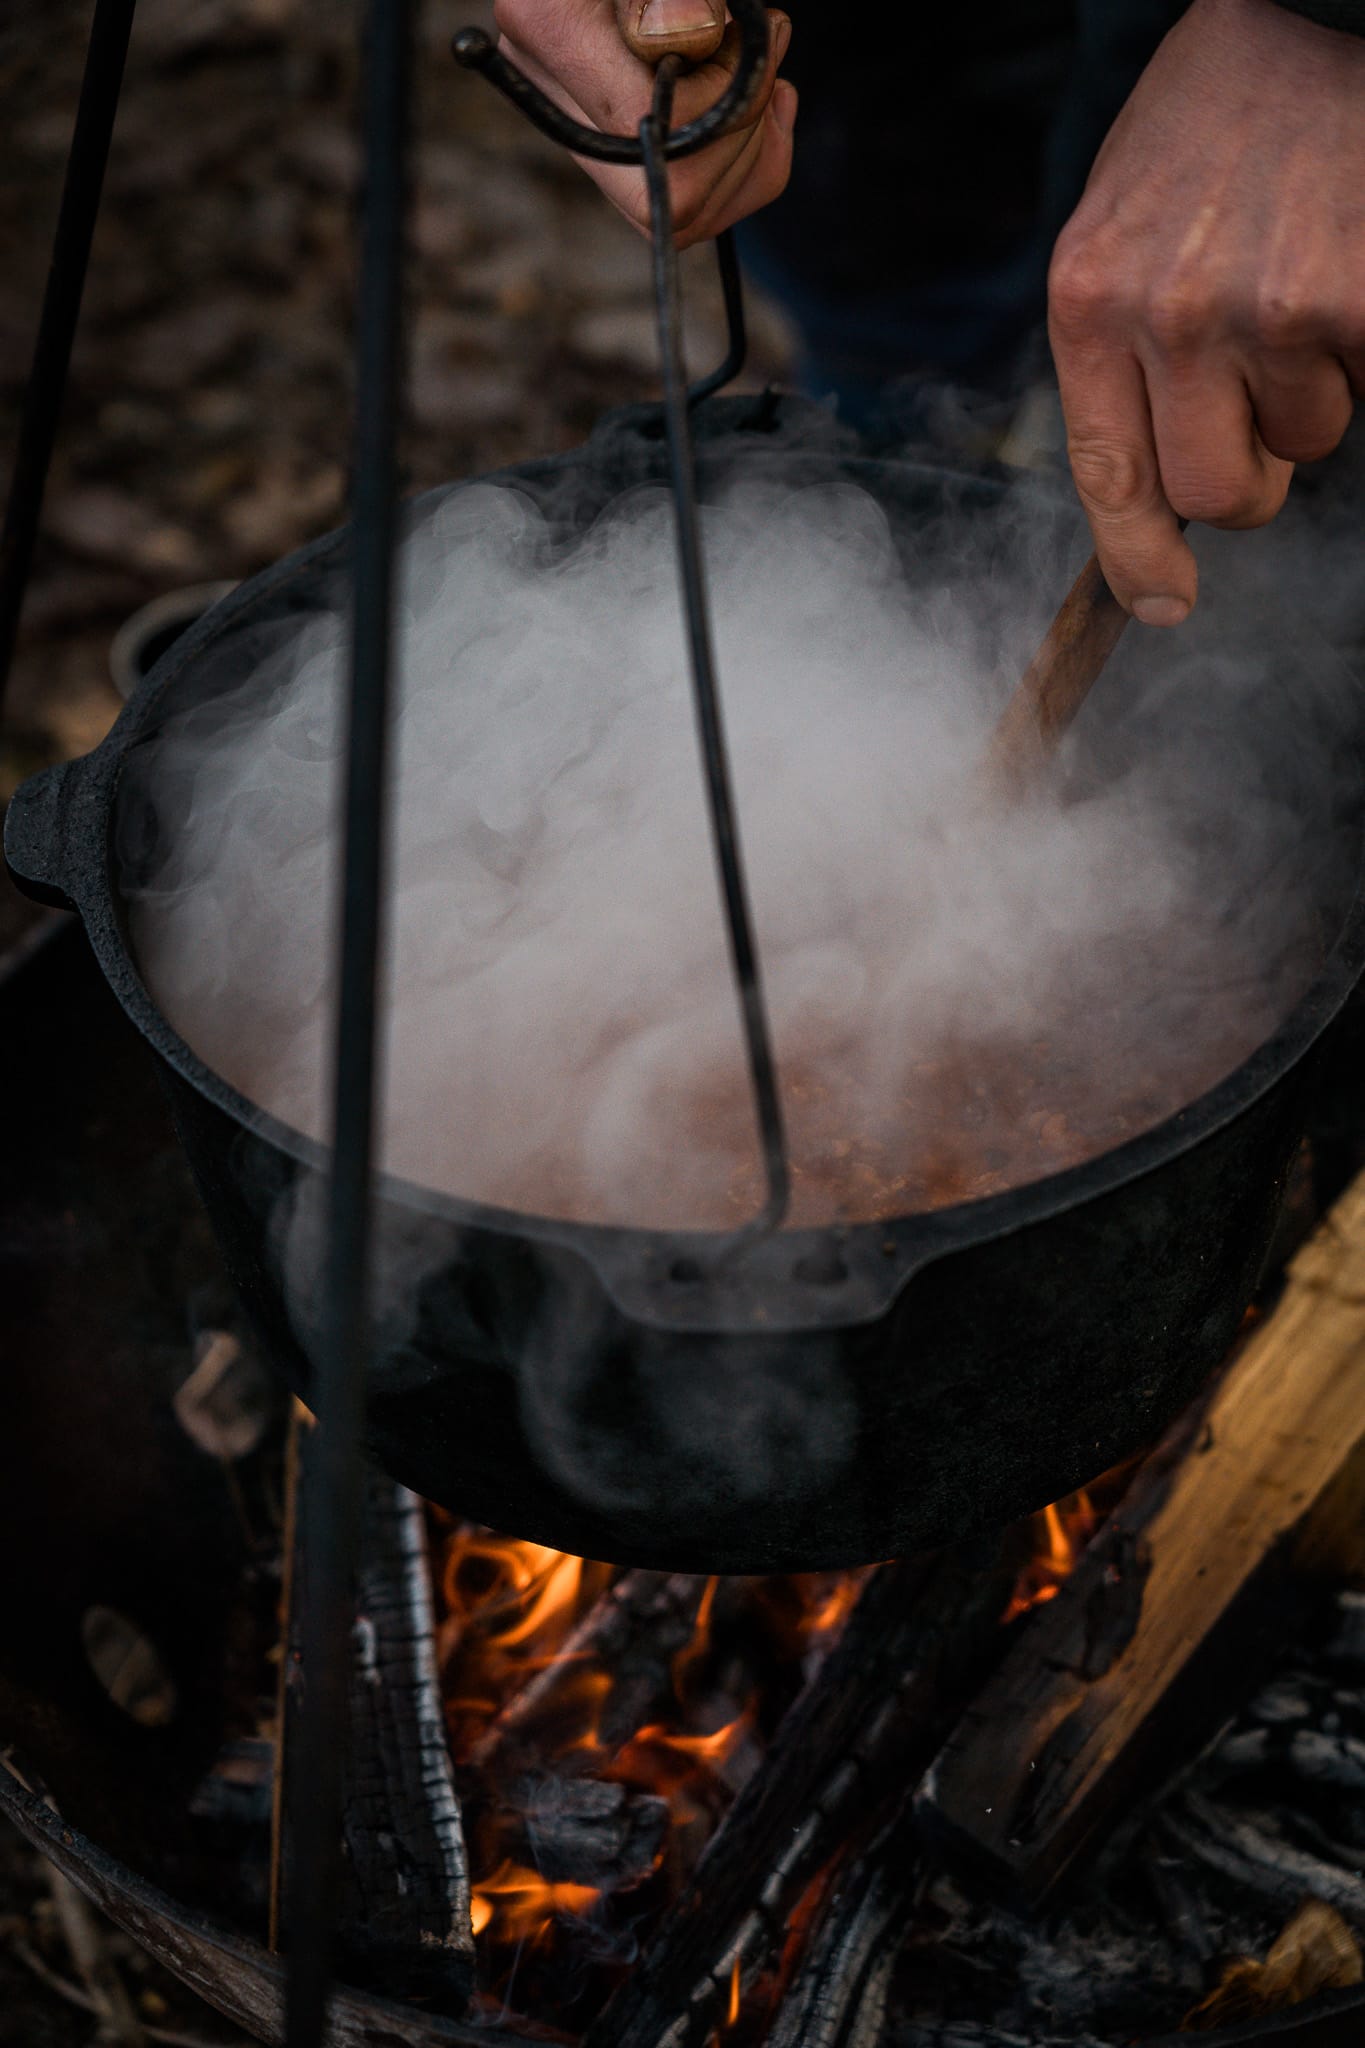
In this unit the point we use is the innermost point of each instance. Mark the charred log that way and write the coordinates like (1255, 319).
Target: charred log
(405, 1920)
(633, 1634)
(838, 1996)
(1250, 1850)
(580, 1830)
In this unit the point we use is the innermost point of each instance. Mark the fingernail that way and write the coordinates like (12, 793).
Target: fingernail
(675, 18)
(1161, 611)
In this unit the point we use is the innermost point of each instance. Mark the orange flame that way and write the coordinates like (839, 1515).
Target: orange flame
(732, 2010)
(519, 1905)
(1061, 1533)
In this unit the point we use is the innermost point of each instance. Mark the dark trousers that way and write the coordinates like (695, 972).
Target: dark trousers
(938, 154)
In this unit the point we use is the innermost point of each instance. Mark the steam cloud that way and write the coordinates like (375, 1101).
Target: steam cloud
(960, 999)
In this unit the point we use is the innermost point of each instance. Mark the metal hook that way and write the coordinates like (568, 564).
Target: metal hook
(706, 696)
(655, 149)
(477, 52)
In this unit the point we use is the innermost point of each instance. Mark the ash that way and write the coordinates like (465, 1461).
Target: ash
(1267, 1821)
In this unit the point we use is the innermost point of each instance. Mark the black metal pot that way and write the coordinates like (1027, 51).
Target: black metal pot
(839, 1396)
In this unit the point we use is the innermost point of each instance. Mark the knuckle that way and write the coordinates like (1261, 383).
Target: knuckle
(1284, 318)
(1080, 286)
(1179, 318)
(1111, 476)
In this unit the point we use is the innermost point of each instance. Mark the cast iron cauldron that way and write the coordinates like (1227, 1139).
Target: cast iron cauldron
(837, 1396)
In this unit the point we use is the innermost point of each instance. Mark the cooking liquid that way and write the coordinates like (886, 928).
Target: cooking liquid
(968, 1120)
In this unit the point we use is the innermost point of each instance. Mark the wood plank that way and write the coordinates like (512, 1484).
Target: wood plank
(1122, 1674)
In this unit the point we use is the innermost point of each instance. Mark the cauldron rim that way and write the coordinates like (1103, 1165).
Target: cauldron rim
(878, 1259)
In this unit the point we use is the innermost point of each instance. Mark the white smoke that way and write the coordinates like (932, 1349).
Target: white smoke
(960, 999)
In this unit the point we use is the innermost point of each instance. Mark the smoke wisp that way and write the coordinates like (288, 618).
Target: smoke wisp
(961, 999)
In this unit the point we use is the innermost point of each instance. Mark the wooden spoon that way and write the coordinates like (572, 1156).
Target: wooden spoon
(1055, 684)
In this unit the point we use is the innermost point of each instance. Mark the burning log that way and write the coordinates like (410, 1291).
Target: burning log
(915, 1642)
(1129, 1665)
(630, 1639)
(581, 1830)
(838, 1997)
(405, 1919)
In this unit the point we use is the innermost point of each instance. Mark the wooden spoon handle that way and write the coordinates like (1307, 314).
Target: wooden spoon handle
(1056, 683)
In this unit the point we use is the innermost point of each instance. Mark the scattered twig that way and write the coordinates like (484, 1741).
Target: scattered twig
(95, 1966)
(62, 1987)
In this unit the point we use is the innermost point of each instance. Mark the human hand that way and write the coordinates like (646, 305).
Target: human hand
(595, 59)
(1207, 298)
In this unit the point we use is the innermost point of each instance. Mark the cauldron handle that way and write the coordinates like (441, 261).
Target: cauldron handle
(36, 836)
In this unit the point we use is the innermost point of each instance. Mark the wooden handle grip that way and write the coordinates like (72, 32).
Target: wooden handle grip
(1056, 683)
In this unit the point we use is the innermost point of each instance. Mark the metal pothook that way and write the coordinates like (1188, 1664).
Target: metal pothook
(658, 145)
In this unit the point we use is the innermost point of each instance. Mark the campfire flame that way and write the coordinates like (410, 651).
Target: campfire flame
(511, 1618)
(521, 1906)
(1061, 1533)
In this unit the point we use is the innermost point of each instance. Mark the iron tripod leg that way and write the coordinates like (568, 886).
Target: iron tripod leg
(101, 83)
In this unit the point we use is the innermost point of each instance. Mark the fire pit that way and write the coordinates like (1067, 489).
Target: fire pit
(693, 1810)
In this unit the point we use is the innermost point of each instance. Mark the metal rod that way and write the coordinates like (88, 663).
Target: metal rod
(706, 696)
(85, 164)
(332, 1495)
(477, 52)
(737, 338)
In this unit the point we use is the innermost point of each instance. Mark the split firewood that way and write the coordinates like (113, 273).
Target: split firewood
(1128, 1669)
(632, 1635)
(920, 1636)
(404, 1925)
(1316, 1952)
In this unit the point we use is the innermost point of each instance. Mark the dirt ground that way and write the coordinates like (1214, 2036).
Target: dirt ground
(207, 423)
